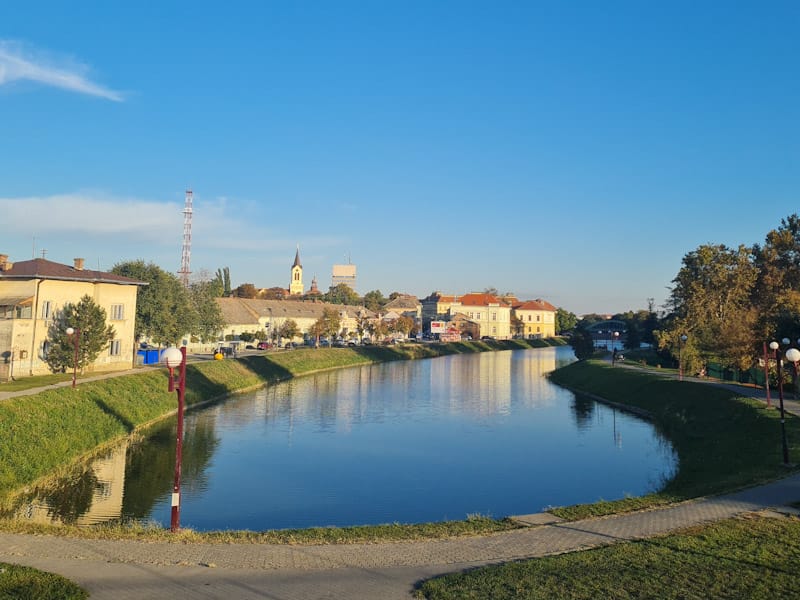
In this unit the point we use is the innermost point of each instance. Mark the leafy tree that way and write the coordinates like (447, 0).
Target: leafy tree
(404, 325)
(274, 293)
(565, 321)
(289, 329)
(246, 290)
(517, 325)
(164, 311)
(777, 290)
(91, 332)
(582, 343)
(223, 279)
(207, 319)
(342, 294)
(374, 300)
(711, 305)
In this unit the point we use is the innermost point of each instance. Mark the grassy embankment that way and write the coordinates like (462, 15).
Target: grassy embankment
(43, 434)
(723, 442)
(25, 583)
(751, 557)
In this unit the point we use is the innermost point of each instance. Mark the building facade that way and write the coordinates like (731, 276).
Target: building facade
(535, 319)
(492, 315)
(32, 294)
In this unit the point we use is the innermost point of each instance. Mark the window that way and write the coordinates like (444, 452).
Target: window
(529, 318)
(45, 348)
(538, 317)
(117, 312)
(494, 316)
(24, 312)
(47, 309)
(116, 348)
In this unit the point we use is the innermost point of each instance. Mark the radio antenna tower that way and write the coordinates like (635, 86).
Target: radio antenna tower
(187, 240)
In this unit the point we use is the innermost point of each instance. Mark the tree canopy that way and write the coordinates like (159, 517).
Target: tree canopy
(90, 334)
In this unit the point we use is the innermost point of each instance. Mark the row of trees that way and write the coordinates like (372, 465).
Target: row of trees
(166, 311)
(729, 301)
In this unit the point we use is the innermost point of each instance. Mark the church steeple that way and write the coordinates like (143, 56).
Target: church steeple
(296, 284)
(297, 258)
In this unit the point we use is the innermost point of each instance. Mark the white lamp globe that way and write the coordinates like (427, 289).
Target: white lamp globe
(69, 331)
(172, 357)
(793, 355)
(773, 345)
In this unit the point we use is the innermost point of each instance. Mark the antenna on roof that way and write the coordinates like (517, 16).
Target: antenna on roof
(186, 250)
(44, 253)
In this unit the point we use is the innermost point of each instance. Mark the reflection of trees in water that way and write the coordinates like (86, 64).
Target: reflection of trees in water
(150, 466)
(583, 411)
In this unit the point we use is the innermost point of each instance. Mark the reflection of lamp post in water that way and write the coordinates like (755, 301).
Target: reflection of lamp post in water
(76, 341)
(174, 357)
(779, 360)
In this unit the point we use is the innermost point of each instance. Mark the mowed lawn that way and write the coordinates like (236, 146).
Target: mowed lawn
(750, 557)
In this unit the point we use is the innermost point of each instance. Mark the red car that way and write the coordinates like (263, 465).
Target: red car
(264, 345)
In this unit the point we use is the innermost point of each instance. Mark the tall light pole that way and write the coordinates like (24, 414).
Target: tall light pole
(681, 342)
(784, 442)
(176, 358)
(76, 341)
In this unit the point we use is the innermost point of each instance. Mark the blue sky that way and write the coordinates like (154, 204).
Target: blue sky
(573, 151)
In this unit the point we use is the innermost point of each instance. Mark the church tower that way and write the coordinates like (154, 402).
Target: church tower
(296, 285)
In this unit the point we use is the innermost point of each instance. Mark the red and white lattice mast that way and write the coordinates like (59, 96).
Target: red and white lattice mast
(187, 240)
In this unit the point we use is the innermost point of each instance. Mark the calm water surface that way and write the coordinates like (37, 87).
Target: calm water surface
(406, 442)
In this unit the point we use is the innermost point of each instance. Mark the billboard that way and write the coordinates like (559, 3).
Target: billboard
(438, 326)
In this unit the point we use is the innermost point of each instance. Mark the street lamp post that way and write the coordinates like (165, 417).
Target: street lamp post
(793, 355)
(176, 358)
(614, 337)
(76, 341)
(681, 342)
(784, 443)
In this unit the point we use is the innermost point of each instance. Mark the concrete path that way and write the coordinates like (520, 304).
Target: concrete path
(131, 570)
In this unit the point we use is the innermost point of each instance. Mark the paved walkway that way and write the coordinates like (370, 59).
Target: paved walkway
(133, 570)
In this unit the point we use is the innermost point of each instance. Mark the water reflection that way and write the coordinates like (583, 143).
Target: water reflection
(407, 441)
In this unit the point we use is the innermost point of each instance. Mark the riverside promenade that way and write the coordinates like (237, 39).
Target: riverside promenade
(134, 570)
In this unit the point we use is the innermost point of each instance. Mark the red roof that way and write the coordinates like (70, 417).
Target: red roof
(480, 300)
(537, 304)
(40, 268)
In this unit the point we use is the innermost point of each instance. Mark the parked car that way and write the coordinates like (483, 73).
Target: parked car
(249, 347)
(264, 345)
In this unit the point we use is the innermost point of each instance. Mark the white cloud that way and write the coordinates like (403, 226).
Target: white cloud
(90, 213)
(96, 215)
(18, 64)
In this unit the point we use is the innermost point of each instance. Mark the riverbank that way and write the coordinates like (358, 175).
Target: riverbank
(723, 441)
(42, 434)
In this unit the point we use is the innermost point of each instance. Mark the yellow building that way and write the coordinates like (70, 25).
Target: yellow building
(33, 292)
(535, 319)
(492, 315)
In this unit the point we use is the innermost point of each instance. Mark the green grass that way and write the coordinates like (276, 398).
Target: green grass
(723, 442)
(394, 532)
(25, 583)
(27, 383)
(751, 558)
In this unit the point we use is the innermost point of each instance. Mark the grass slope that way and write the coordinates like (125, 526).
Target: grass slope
(723, 442)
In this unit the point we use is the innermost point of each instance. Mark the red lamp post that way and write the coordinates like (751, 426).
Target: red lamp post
(76, 340)
(176, 358)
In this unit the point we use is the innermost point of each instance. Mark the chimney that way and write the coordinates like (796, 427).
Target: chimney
(78, 264)
(4, 264)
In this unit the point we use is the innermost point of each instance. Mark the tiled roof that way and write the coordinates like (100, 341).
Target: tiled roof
(403, 303)
(537, 304)
(40, 268)
(480, 300)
